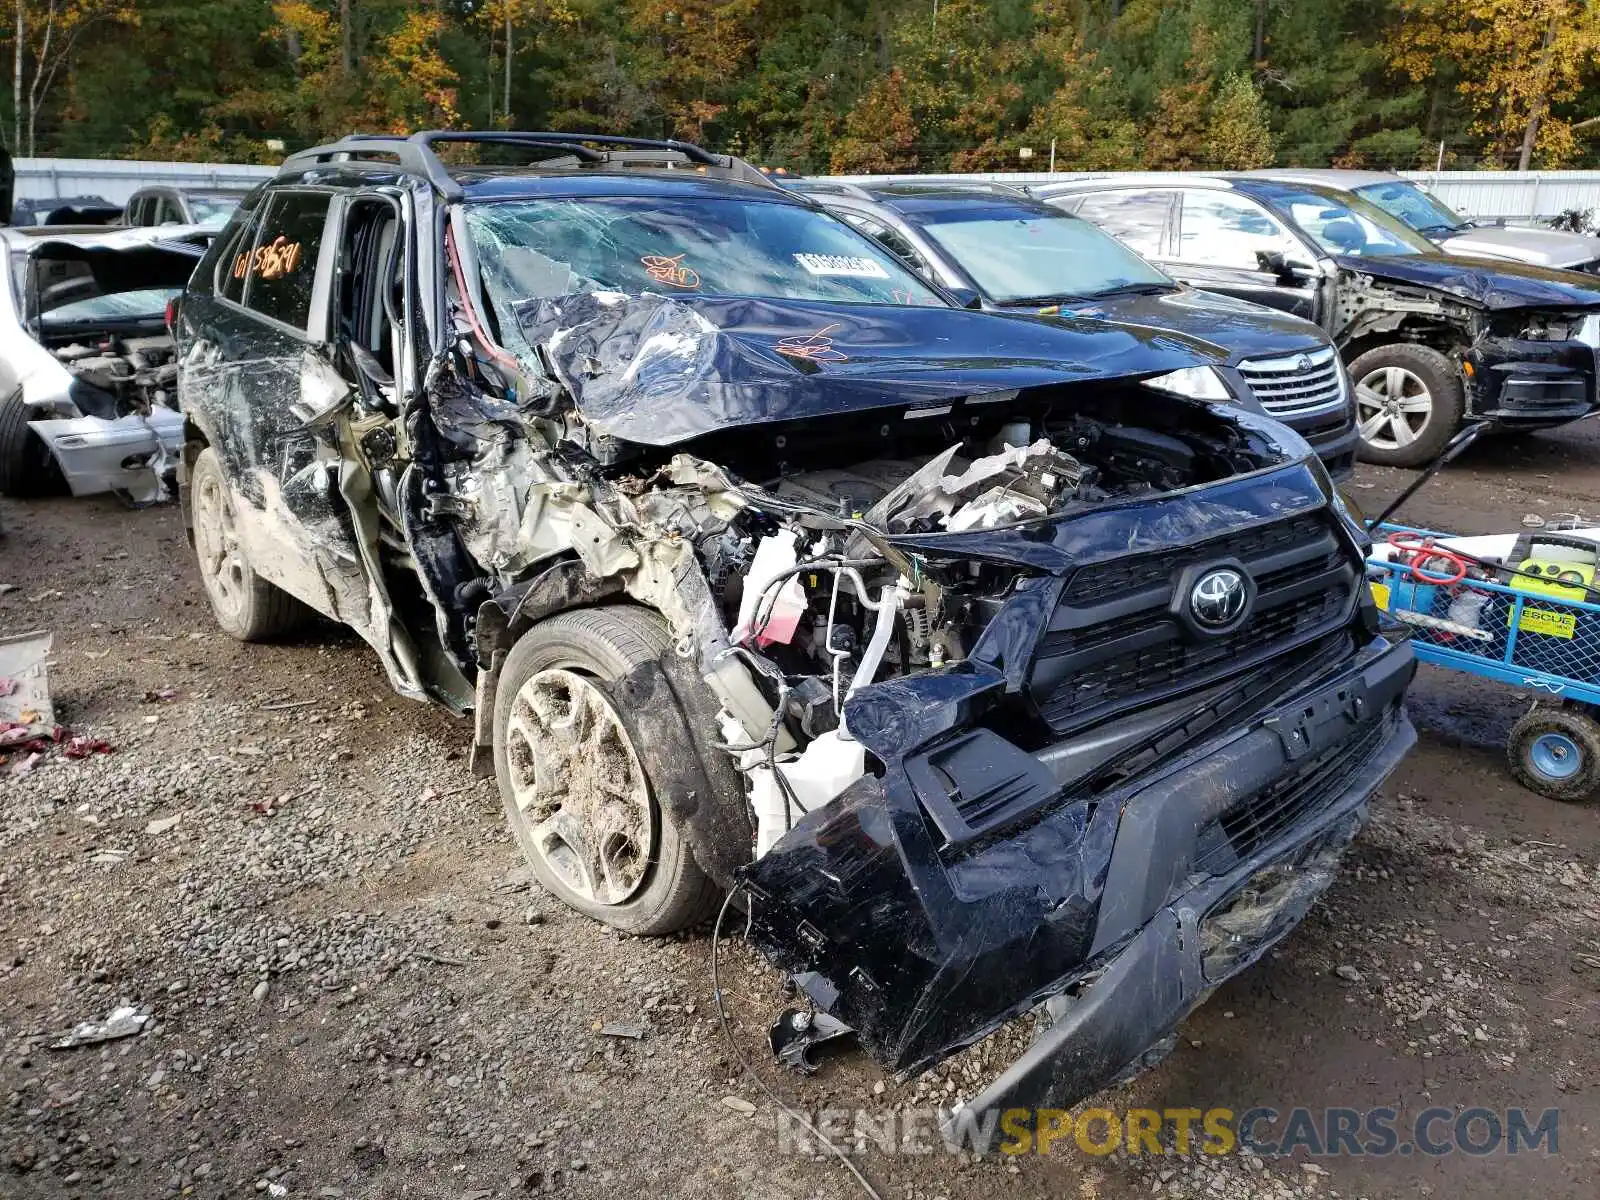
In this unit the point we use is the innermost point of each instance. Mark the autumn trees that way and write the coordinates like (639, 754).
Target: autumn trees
(828, 84)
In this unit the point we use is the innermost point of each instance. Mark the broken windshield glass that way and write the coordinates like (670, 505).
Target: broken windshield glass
(542, 249)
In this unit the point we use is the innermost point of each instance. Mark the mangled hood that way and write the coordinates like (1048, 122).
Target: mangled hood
(126, 259)
(1500, 284)
(657, 370)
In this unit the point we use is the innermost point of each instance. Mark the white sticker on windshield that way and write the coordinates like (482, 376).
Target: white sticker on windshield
(841, 264)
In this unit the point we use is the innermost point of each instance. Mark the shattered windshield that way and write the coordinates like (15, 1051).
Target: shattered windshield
(540, 249)
(1412, 205)
(1038, 259)
(1349, 224)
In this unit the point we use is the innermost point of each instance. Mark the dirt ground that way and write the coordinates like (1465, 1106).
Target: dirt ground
(354, 991)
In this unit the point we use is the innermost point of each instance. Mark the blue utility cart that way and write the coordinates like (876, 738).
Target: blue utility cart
(1527, 618)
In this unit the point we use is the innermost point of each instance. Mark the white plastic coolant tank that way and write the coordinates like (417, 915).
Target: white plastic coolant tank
(775, 555)
(824, 769)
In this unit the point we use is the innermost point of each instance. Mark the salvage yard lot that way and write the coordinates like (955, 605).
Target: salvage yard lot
(355, 991)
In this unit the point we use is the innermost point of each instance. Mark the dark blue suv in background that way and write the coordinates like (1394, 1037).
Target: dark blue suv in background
(987, 667)
(996, 248)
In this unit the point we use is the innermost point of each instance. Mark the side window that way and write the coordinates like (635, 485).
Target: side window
(167, 213)
(139, 211)
(1136, 219)
(234, 262)
(283, 265)
(1220, 229)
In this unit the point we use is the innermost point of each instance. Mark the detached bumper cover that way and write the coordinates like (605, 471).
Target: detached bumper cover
(128, 454)
(926, 945)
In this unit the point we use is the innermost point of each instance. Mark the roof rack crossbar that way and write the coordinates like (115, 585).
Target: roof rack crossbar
(415, 154)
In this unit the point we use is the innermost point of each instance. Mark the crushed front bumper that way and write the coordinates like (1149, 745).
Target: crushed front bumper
(1132, 899)
(1528, 384)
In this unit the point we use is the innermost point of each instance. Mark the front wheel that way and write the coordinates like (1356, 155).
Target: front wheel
(1409, 403)
(1556, 752)
(27, 468)
(579, 780)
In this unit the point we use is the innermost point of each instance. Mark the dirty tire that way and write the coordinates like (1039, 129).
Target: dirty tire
(245, 605)
(610, 851)
(1424, 380)
(1556, 752)
(27, 468)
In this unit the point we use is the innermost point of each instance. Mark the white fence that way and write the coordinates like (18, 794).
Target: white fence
(1486, 194)
(1489, 195)
(115, 179)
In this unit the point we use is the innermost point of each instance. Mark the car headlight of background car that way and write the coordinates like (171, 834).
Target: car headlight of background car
(1197, 383)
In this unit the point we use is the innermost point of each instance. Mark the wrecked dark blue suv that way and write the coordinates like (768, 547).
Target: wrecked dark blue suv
(992, 675)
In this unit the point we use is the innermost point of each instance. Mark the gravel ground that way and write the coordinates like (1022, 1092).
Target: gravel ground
(345, 984)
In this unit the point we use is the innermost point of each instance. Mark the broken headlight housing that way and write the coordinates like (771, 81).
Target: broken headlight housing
(1196, 383)
(1555, 327)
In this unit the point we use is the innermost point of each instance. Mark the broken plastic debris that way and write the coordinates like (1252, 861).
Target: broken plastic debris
(121, 1023)
(620, 1029)
(738, 1104)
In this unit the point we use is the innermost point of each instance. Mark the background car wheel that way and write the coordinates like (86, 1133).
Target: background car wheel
(1556, 752)
(246, 606)
(27, 468)
(577, 780)
(1408, 403)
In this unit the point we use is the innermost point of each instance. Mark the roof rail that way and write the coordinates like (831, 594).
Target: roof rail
(415, 154)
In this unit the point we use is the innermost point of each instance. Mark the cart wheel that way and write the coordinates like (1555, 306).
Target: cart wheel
(1556, 752)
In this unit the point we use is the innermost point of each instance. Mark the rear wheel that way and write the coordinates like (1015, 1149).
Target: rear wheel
(1556, 752)
(578, 782)
(1408, 403)
(27, 468)
(245, 605)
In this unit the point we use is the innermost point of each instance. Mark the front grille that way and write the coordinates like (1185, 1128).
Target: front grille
(1258, 820)
(1296, 384)
(1121, 576)
(1115, 644)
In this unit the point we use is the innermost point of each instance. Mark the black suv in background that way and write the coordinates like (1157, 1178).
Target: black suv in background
(989, 673)
(993, 247)
(1431, 339)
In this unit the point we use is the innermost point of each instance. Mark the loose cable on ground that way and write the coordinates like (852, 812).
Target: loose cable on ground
(727, 1032)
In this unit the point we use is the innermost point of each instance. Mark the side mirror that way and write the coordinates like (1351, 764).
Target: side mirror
(1286, 267)
(966, 297)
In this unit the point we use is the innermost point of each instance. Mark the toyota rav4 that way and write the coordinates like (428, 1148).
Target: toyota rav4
(991, 672)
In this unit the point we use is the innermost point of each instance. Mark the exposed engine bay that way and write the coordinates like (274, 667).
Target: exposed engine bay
(127, 375)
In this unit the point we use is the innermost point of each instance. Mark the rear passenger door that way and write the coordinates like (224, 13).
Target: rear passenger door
(259, 382)
(1224, 244)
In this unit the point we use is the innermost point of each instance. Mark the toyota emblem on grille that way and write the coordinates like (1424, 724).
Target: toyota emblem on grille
(1304, 365)
(1218, 598)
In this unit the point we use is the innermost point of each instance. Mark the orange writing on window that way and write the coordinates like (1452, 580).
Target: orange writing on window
(276, 259)
(670, 271)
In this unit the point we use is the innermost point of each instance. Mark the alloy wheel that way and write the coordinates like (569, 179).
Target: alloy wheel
(579, 791)
(216, 544)
(1393, 407)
